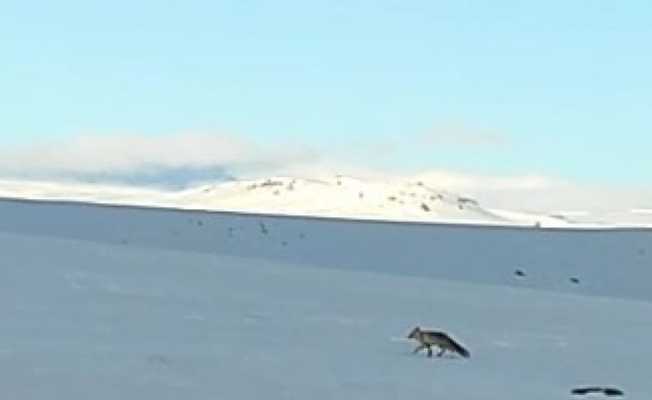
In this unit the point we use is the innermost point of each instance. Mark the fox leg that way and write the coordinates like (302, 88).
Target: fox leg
(419, 348)
(441, 352)
(429, 351)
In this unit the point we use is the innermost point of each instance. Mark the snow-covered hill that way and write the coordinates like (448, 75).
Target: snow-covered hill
(335, 196)
(338, 196)
(608, 262)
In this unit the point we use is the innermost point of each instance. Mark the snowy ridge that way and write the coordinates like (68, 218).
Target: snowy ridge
(332, 196)
(339, 196)
(479, 253)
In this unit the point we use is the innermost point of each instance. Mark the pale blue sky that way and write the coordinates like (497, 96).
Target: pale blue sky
(498, 87)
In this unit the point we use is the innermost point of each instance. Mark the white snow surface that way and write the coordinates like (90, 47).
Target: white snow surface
(136, 303)
(331, 196)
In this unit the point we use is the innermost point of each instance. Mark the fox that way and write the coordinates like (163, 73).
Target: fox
(427, 339)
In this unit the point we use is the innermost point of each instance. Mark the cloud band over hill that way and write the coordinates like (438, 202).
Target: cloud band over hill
(183, 159)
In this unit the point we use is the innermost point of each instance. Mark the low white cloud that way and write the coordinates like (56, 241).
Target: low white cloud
(476, 182)
(132, 153)
(539, 193)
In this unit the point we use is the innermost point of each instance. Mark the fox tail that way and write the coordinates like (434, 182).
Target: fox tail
(459, 349)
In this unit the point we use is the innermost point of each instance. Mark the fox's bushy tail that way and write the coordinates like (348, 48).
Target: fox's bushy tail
(459, 349)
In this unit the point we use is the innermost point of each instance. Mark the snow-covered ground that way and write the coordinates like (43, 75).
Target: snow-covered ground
(109, 302)
(85, 320)
(606, 262)
(333, 196)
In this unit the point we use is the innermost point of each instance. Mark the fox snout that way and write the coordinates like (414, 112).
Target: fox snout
(413, 334)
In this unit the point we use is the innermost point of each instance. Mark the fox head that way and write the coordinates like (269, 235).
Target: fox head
(415, 332)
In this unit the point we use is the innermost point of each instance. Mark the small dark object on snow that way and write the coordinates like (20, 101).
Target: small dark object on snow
(613, 392)
(520, 273)
(587, 390)
(608, 391)
(575, 280)
(466, 200)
